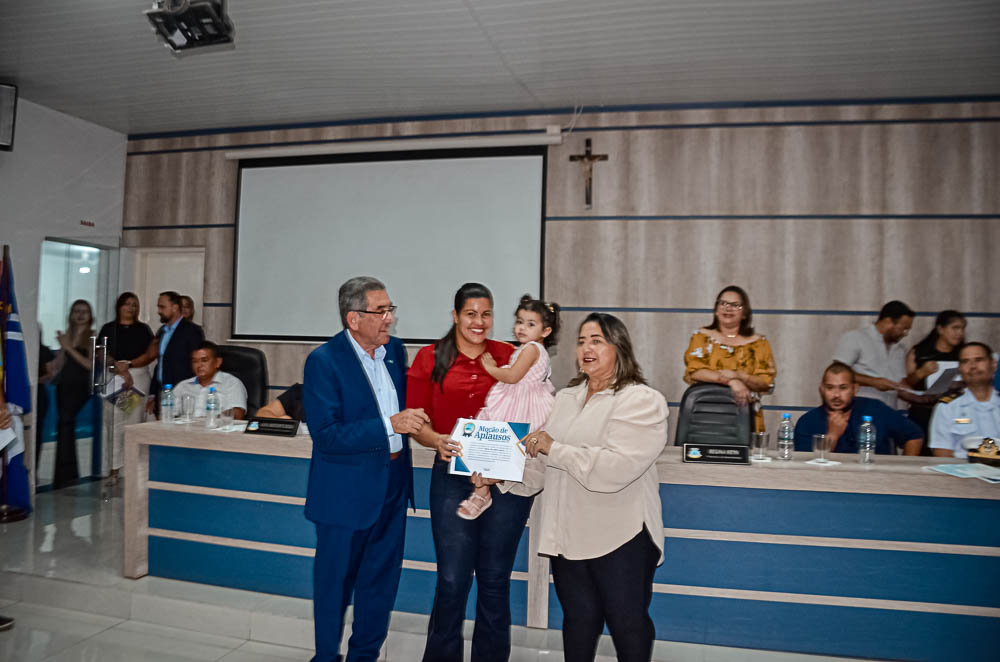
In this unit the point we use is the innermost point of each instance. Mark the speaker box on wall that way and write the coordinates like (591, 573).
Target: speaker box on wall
(8, 107)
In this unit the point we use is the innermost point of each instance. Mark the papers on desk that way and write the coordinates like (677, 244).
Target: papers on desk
(983, 472)
(492, 448)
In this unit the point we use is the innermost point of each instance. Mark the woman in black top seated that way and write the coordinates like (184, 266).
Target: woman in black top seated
(129, 357)
(287, 405)
(941, 344)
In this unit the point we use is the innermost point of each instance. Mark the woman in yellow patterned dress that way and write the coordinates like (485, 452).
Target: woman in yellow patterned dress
(729, 352)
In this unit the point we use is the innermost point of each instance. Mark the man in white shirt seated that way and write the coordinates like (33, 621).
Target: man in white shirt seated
(205, 361)
(975, 413)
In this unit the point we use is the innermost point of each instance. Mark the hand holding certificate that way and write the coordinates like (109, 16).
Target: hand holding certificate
(491, 448)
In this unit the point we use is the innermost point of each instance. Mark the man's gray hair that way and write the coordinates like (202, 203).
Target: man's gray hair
(353, 295)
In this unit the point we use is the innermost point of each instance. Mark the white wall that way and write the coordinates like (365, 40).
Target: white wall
(62, 171)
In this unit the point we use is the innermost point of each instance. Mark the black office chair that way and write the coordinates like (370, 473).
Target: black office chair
(250, 366)
(709, 415)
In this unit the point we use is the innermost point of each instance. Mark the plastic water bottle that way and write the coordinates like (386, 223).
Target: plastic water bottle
(167, 404)
(786, 437)
(866, 441)
(211, 409)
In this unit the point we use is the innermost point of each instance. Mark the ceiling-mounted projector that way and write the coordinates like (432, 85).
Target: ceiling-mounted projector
(191, 24)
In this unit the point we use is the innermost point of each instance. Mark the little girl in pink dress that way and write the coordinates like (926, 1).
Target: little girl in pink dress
(523, 392)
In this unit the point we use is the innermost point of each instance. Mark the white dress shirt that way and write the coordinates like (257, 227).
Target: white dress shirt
(382, 387)
(964, 418)
(229, 388)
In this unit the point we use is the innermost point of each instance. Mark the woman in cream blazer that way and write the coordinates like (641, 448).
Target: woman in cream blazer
(601, 520)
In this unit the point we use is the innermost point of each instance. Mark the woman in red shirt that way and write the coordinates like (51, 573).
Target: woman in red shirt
(448, 381)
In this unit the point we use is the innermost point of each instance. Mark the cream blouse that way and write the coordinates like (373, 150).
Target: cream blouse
(600, 480)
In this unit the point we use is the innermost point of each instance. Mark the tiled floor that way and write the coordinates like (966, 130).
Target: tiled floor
(60, 578)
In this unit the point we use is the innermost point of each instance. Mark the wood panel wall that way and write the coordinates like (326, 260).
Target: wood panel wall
(822, 213)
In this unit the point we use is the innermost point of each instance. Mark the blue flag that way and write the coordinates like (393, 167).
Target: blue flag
(16, 385)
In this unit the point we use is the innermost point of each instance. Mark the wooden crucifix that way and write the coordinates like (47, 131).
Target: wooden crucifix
(588, 159)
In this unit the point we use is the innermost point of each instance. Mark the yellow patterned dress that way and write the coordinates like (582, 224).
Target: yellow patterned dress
(753, 358)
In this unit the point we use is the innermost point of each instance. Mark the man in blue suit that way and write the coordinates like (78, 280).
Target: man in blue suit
(361, 475)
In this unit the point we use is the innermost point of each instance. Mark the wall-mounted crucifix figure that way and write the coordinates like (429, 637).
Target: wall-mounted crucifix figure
(588, 159)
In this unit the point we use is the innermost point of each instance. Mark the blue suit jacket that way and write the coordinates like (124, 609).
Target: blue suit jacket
(349, 473)
(176, 358)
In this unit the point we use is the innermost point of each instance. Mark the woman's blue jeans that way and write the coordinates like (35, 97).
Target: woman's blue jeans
(486, 547)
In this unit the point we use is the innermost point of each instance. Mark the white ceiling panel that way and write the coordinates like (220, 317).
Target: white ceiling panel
(306, 61)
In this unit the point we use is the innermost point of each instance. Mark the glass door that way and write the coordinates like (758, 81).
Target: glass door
(74, 424)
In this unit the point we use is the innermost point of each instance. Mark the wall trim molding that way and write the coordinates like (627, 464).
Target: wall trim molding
(587, 110)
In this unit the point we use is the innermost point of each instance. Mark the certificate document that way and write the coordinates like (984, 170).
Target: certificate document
(491, 448)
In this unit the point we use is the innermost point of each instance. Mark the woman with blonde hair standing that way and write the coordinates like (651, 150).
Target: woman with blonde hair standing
(73, 387)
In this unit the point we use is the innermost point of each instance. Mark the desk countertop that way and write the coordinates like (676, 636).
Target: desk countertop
(889, 474)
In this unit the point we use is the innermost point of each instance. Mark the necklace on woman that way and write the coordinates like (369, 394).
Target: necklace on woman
(731, 336)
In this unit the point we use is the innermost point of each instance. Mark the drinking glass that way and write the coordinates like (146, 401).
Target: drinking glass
(759, 440)
(225, 419)
(821, 443)
(187, 408)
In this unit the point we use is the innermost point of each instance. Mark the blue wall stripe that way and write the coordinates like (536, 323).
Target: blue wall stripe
(820, 629)
(863, 516)
(260, 521)
(247, 472)
(817, 629)
(792, 103)
(858, 573)
(217, 304)
(179, 227)
(284, 574)
(776, 217)
(248, 569)
(422, 487)
(757, 311)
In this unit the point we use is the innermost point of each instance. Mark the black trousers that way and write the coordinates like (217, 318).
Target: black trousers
(615, 589)
(70, 400)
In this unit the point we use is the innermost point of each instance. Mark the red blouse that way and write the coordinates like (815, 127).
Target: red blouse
(463, 391)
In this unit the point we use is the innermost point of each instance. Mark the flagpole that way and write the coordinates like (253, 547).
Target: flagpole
(8, 513)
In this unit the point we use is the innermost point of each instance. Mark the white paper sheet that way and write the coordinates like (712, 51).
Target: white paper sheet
(491, 448)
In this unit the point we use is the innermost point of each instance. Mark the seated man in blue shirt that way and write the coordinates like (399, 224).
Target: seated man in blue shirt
(841, 414)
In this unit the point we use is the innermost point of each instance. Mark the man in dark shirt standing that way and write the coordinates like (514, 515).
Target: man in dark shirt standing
(841, 415)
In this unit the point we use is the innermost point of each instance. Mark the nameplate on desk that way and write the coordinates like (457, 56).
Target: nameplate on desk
(282, 427)
(716, 454)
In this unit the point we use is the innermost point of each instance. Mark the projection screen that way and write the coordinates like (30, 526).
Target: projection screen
(422, 222)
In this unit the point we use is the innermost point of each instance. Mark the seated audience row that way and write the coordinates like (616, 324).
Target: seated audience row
(870, 369)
